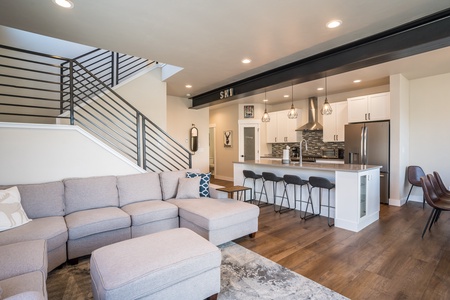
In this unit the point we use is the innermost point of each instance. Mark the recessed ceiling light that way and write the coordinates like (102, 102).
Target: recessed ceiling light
(265, 100)
(188, 86)
(286, 96)
(64, 3)
(320, 89)
(357, 81)
(246, 61)
(334, 23)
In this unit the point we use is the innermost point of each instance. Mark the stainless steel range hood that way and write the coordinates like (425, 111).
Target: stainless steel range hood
(313, 116)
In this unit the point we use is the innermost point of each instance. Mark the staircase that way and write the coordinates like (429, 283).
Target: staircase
(49, 89)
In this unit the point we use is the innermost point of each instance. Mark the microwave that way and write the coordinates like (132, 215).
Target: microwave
(329, 152)
(332, 153)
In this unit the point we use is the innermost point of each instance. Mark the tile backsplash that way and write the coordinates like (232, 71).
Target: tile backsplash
(315, 143)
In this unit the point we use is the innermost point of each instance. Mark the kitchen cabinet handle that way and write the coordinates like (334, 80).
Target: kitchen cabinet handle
(369, 116)
(365, 117)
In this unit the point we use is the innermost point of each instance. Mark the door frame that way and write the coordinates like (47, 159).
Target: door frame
(249, 123)
(213, 127)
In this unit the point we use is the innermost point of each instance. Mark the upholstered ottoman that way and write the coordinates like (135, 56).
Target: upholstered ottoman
(172, 264)
(218, 220)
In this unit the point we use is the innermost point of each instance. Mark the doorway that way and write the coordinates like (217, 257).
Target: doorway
(249, 140)
(212, 149)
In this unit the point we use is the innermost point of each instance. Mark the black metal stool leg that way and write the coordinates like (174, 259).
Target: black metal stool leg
(329, 206)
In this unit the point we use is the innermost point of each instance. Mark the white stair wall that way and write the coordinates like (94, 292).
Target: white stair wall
(36, 153)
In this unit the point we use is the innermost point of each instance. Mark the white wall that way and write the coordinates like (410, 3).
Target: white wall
(179, 122)
(35, 153)
(430, 125)
(400, 125)
(148, 94)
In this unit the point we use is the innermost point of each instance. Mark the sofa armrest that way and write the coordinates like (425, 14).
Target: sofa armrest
(214, 193)
(31, 295)
(23, 257)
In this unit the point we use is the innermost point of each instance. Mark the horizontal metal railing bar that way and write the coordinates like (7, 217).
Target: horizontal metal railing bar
(32, 115)
(104, 63)
(122, 75)
(171, 158)
(33, 61)
(101, 98)
(30, 97)
(31, 79)
(109, 134)
(116, 95)
(34, 53)
(29, 88)
(147, 120)
(169, 147)
(29, 106)
(157, 159)
(134, 122)
(141, 66)
(88, 53)
(31, 70)
(94, 57)
(121, 121)
(81, 115)
(122, 64)
(128, 67)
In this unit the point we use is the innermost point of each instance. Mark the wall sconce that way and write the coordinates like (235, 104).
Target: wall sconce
(193, 137)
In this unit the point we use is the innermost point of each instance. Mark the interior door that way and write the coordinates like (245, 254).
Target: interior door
(248, 141)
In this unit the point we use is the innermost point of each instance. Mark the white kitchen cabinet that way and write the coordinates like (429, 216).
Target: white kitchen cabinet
(334, 124)
(281, 129)
(373, 107)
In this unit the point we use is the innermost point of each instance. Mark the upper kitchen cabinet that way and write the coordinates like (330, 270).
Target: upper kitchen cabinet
(281, 129)
(369, 108)
(334, 124)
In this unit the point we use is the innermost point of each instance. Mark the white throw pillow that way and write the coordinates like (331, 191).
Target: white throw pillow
(11, 210)
(188, 188)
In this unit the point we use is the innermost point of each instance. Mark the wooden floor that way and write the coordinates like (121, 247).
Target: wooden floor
(387, 260)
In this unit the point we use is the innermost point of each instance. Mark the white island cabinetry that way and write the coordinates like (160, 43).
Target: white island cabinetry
(356, 197)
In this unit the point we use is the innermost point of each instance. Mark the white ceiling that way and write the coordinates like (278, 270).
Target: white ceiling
(210, 38)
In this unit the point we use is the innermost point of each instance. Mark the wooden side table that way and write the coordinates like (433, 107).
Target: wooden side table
(236, 189)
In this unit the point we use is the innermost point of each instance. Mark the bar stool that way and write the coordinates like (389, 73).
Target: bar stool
(321, 183)
(268, 176)
(252, 175)
(296, 181)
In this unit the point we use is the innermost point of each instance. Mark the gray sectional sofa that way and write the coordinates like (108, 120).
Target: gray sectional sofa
(78, 215)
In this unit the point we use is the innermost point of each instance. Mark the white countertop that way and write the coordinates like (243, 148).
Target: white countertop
(312, 166)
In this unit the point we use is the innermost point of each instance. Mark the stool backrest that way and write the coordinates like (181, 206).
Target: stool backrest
(320, 182)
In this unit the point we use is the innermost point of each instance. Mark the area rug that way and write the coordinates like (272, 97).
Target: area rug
(244, 275)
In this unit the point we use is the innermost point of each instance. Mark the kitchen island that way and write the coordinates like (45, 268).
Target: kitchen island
(356, 197)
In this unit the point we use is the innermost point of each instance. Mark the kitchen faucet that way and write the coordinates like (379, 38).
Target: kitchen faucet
(306, 149)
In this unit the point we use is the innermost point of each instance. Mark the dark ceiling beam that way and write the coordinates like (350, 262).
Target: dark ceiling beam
(422, 35)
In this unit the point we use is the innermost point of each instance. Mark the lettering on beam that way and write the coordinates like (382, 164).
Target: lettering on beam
(226, 93)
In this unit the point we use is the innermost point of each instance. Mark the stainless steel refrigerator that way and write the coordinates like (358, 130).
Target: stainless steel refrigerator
(368, 144)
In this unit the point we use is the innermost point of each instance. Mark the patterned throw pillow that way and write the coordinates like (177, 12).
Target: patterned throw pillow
(204, 182)
(11, 211)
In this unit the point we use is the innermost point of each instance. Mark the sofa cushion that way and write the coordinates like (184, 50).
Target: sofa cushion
(204, 182)
(169, 182)
(138, 187)
(43, 200)
(87, 222)
(188, 188)
(11, 211)
(89, 193)
(51, 229)
(213, 214)
(150, 211)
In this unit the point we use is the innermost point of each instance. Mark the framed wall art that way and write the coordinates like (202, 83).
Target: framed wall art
(228, 139)
(249, 111)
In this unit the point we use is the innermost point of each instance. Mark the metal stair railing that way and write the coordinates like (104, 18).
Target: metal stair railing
(78, 92)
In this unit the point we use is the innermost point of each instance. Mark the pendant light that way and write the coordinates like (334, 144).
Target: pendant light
(326, 109)
(265, 117)
(292, 114)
